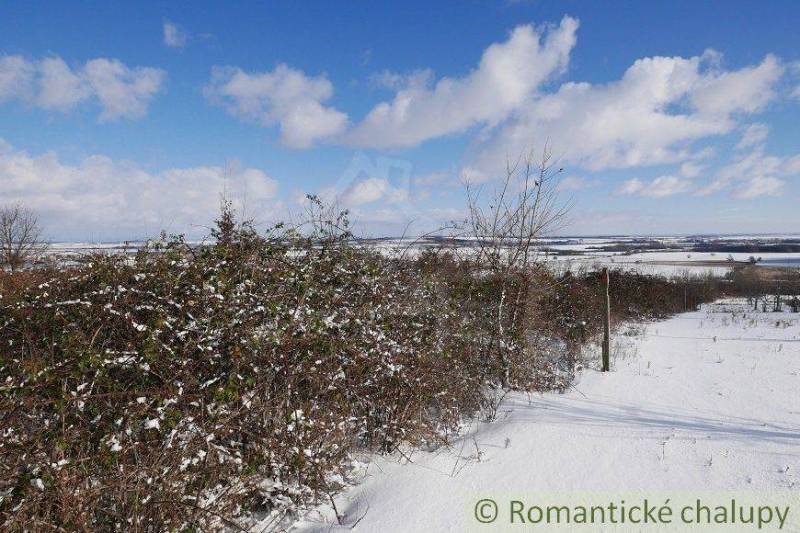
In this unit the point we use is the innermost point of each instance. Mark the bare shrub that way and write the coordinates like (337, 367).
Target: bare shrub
(21, 238)
(505, 232)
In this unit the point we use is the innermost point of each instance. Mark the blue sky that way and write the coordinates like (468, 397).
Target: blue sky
(120, 119)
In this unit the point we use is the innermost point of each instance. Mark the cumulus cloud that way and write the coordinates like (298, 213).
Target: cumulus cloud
(174, 35)
(651, 116)
(16, 77)
(508, 74)
(283, 96)
(121, 199)
(122, 91)
(660, 187)
(369, 190)
(656, 113)
(754, 174)
(373, 181)
(384, 197)
(60, 88)
(50, 83)
(746, 90)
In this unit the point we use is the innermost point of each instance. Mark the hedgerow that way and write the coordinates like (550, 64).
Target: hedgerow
(192, 387)
(188, 387)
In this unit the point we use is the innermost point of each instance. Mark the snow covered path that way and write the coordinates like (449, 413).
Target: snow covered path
(705, 401)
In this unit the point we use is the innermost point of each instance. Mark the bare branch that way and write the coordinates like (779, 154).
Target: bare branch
(506, 233)
(21, 240)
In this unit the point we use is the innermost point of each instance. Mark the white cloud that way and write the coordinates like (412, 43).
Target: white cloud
(792, 166)
(417, 79)
(434, 178)
(121, 91)
(574, 183)
(660, 187)
(759, 186)
(174, 35)
(690, 169)
(754, 174)
(60, 88)
(631, 186)
(655, 114)
(16, 76)
(508, 74)
(121, 199)
(284, 96)
(473, 175)
(753, 135)
(666, 186)
(746, 90)
(365, 191)
(651, 116)
(370, 190)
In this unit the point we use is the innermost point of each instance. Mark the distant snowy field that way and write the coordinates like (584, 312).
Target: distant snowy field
(706, 401)
(664, 263)
(667, 262)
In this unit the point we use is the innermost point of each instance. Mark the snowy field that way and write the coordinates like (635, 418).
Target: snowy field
(706, 401)
(669, 263)
(655, 262)
(585, 253)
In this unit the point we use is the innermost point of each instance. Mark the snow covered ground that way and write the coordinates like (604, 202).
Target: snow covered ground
(670, 263)
(655, 266)
(664, 263)
(704, 402)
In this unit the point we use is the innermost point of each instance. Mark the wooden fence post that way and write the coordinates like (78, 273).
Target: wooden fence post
(606, 323)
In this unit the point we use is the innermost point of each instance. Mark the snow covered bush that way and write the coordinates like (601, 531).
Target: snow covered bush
(189, 386)
(518, 348)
